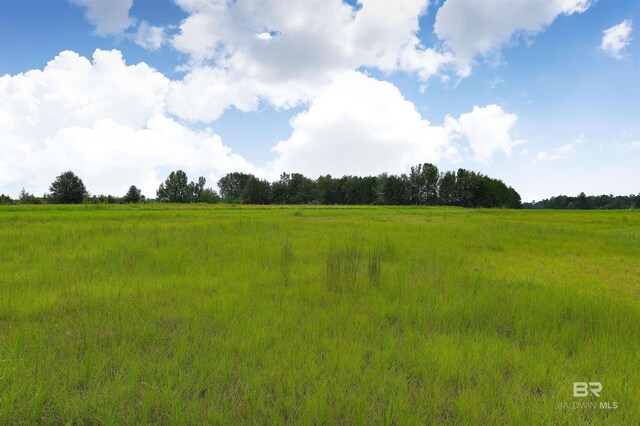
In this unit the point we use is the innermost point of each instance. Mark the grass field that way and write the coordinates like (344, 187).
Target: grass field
(365, 315)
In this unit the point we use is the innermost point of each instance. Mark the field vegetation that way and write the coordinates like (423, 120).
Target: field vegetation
(194, 314)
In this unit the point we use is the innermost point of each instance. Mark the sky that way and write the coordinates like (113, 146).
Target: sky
(543, 94)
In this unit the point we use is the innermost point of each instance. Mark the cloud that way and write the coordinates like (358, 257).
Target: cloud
(149, 37)
(571, 146)
(266, 35)
(106, 121)
(616, 38)
(110, 156)
(547, 156)
(472, 27)
(286, 52)
(111, 123)
(72, 90)
(360, 125)
(110, 17)
(560, 152)
(206, 92)
(326, 34)
(486, 130)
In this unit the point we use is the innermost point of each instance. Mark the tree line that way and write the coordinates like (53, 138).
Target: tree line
(587, 202)
(423, 185)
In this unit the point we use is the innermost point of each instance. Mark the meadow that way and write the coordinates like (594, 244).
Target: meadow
(226, 314)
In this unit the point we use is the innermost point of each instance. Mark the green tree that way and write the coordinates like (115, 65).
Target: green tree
(175, 189)
(133, 195)
(67, 189)
(196, 189)
(467, 184)
(256, 191)
(5, 199)
(432, 176)
(328, 190)
(363, 189)
(199, 194)
(581, 202)
(26, 198)
(393, 190)
(232, 184)
(515, 202)
(423, 184)
(447, 188)
(302, 189)
(208, 196)
(280, 193)
(636, 203)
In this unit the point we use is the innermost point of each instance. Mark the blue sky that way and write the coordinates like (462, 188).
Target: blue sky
(542, 94)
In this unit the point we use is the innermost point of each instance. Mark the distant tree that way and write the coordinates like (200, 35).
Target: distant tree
(67, 189)
(352, 191)
(25, 198)
(514, 199)
(393, 190)
(360, 190)
(194, 192)
(5, 199)
(103, 199)
(256, 191)
(209, 196)
(302, 190)
(423, 184)
(447, 188)
(133, 195)
(280, 193)
(464, 188)
(196, 189)
(231, 186)
(606, 202)
(175, 188)
(328, 190)
(636, 202)
(417, 185)
(581, 202)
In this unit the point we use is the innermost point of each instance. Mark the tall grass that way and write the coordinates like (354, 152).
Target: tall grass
(286, 260)
(343, 263)
(375, 265)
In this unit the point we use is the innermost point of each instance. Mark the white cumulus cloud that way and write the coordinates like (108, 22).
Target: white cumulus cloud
(106, 121)
(616, 38)
(285, 52)
(486, 130)
(110, 17)
(149, 36)
(472, 27)
(360, 125)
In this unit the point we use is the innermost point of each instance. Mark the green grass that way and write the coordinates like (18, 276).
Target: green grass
(366, 315)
